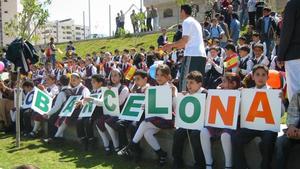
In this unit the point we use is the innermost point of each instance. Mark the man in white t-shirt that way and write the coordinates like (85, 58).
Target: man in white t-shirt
(192, 41)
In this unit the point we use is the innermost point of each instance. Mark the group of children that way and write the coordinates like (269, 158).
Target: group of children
(233, 142)
(229, 68)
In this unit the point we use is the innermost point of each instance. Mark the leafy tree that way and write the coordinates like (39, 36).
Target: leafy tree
(181, 2)
(33, 17)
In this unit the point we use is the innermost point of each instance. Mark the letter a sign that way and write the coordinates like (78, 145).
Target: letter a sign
(41, 102)
(261, 110)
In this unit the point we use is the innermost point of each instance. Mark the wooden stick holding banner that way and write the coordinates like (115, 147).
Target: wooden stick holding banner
(18, 130)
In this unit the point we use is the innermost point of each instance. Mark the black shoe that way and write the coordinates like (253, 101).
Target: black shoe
(162, 157)
(92, 144)
(33, 135)
(177, 164)
(58, 140)
(85, 143)
(47, 140)
(107, 151)
(126, 152)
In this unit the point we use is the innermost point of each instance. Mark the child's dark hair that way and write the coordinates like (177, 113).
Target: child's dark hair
(64, 80)
(233, 77)
(256, 34)
(126, 51)
(231, 47)
(99, 78)
(28, 83)
(27, 167)
(164, 69)
(245, 48)
(141, 73)
(195, 75)
(260, 66)
(152, 47)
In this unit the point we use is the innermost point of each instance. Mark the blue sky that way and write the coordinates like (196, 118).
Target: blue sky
(63, 9)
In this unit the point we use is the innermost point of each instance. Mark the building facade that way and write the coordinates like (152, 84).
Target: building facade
(8, 9)
(169, 11)
(62, 31)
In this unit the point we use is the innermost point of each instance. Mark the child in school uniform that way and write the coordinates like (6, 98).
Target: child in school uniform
(51, 89)
(78, 89)
(140, 86)
(194, 85)
(244, 136)
(245, 63)
(151, 126)
(109, 64)
(230, 81)
(25, 111)
(230, 55)
(85, 125)
(90, 70)
(213, 69)
(112, 124)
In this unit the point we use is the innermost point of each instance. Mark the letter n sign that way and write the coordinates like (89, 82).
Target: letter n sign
(190, 111)
(222, 108)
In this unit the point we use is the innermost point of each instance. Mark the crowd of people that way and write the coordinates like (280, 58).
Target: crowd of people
(142, 21)
(228, 60)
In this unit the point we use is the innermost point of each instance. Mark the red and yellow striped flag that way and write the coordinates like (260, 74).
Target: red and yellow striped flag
(231, 62)
(129, 73)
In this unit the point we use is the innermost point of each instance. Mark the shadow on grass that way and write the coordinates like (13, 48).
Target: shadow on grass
(72, 152)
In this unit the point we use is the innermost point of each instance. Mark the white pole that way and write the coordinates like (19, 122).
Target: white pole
(90, 22)
(83, 14)
(109, 20)
(18, 130)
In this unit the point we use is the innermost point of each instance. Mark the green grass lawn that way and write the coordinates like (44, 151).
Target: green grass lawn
(137, 41)
(64, 156)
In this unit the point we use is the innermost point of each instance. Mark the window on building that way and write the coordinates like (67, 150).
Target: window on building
(5, 11)
(168, 13)
(5, 0)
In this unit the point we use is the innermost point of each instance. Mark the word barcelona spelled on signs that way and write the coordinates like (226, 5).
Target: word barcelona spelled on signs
(257, 109)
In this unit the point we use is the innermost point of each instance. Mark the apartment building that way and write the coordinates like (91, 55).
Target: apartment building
(8, 9)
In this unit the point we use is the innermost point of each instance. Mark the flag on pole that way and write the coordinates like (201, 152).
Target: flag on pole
(129, 73)
(231, 62)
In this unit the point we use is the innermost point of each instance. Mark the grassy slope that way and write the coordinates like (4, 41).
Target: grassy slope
(67, 156)
(84, 47)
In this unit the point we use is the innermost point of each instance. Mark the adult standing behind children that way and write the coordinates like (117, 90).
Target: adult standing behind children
(192, 41)
(290, 46)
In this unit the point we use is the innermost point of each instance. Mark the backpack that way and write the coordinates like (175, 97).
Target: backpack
(22, 54)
